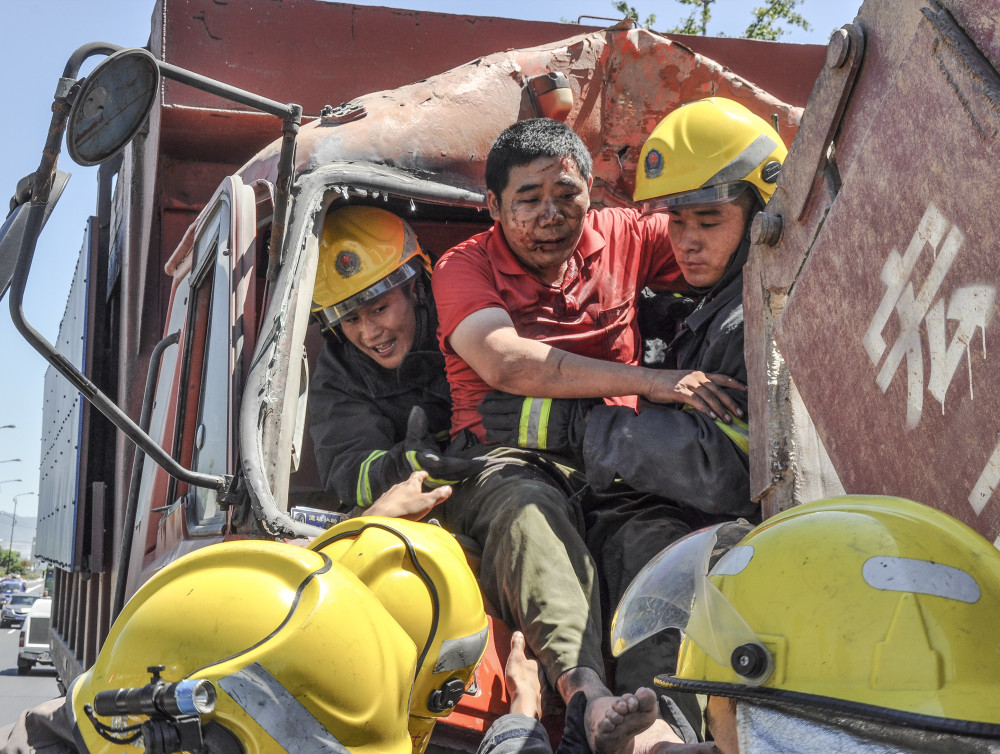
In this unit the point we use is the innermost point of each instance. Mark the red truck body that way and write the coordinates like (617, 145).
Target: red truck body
(181, 246)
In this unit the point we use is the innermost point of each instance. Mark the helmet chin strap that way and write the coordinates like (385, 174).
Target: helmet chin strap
(424, 311)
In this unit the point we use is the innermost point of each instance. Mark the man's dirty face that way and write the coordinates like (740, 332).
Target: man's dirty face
(541, 211)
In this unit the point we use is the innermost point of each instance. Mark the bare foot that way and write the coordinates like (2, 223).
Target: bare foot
(524, 680)
(613, 722)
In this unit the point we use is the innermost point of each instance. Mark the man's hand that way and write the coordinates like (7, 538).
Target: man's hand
(408, 500)
(422, 455)
(557, 424)
(697, 389)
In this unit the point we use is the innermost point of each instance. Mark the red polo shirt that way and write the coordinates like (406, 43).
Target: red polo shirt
(592, 312)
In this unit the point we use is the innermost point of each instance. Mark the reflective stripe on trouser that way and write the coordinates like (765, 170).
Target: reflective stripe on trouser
(738, 431)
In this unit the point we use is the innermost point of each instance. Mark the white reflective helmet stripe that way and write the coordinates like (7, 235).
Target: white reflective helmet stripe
(461, 652)
(894, 574)
(734, 561)
(277, 712)
(745, 162)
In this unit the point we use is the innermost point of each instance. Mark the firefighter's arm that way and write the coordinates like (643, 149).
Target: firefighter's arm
(682, 455)
(489, 343)
(358, 453)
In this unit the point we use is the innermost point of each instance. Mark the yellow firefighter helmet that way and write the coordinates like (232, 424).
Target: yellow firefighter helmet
(274, 645)
(707, 152)
(419, 573)
(364, 253)
(875, 606)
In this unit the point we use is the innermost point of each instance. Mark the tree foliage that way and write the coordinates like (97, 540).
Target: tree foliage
(629, 11)
(768, 21)
(10, 562)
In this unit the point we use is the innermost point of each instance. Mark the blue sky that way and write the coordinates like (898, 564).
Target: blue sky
(38, 36)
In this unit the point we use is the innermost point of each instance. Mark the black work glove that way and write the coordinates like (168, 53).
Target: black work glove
(556, 424)
(422, 454)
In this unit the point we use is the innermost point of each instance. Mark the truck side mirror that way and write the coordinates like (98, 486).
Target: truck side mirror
(111, 106)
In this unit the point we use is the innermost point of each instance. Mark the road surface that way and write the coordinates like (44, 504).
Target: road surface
(19, 692)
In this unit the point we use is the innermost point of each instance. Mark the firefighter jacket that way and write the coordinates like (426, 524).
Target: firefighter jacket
(359, 412)
(682, 454)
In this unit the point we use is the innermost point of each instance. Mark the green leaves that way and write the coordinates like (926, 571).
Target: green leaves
(629, 11)
(768, 22)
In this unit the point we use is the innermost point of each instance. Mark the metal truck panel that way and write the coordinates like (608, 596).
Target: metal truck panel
(623, 83)
(888, 265)
(62, 421)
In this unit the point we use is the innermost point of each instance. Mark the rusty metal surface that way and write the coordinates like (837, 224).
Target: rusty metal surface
(623, 83)
(889, 328)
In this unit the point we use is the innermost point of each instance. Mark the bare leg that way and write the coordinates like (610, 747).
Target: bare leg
(524, 680)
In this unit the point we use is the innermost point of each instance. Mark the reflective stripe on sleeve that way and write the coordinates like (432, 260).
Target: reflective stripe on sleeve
(533, 429)
(363, 493)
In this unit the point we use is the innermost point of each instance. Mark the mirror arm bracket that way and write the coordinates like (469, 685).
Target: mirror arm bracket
(229, 488)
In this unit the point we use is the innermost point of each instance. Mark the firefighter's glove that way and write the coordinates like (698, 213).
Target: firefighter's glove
(422, 454)
(554, 424)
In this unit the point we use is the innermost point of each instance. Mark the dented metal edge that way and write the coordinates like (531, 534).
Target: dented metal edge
(262, 436)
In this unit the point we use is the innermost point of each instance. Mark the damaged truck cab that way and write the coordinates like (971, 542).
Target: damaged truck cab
(222, 431)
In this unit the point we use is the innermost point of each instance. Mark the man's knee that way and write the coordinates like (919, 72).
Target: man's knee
(530, 505)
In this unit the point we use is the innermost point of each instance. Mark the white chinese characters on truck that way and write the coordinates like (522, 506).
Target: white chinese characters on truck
(871, 318)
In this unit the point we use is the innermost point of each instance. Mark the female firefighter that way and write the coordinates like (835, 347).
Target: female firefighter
(381, 360)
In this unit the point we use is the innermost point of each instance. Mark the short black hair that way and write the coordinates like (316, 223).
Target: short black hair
(525, 142)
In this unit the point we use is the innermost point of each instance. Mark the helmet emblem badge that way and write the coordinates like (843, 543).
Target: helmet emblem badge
(348, 263)
(653, 164)
(770, 172)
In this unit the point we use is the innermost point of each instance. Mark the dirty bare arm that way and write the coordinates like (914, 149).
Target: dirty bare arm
(489, 343)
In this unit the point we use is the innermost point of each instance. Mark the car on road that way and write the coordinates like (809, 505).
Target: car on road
(9, 586)
(16, 608)
(33, 646)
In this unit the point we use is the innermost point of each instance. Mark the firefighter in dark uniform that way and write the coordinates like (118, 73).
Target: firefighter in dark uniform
(373, 298)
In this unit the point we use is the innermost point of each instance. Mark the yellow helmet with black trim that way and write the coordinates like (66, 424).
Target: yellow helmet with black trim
(364, 252)
(334, 645)
(419, 573)
(707, 152)
(873, 606)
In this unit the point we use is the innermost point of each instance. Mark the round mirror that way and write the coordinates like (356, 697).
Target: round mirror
(111, 106)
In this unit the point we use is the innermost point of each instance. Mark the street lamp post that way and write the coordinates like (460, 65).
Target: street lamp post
(8, 426)
(13, 520)
(9, 460)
